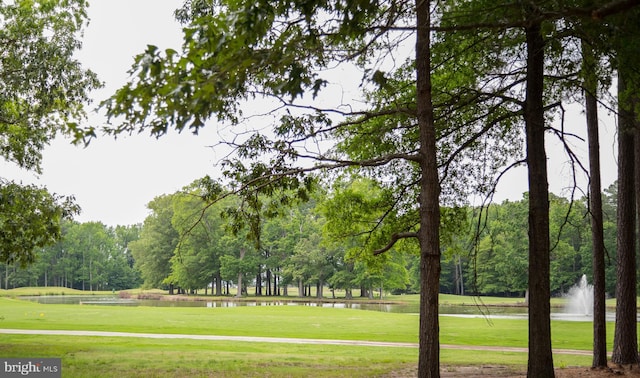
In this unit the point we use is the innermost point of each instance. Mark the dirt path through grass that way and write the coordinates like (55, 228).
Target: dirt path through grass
(284, 340)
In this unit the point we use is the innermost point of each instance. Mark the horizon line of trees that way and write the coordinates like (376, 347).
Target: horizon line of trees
(300, 248)
(89, 256)
(486, 256)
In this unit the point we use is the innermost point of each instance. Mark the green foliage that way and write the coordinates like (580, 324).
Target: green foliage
(43, 90)
(158, 240)
(332, 240)
(234, 51)
(29, 218)
(197, 256)
(499, 264)
(43, 86)
(88, 256)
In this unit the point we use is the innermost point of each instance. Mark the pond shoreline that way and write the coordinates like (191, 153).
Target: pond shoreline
(264, 298)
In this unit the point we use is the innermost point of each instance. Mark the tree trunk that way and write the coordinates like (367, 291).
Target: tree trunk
(268, 287)
(259, 283)
(595, 205)
(218, 284)
(540, 364)
(239, 291)
(625, 343)
(429, 201)
(458, 279)
(300, 288)
(320, 289)
(461, 275)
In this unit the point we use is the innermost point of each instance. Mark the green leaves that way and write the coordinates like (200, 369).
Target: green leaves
(43, 90)
(43, 86)
(30, 217)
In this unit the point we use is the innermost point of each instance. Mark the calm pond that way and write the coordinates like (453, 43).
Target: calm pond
(465, 311)
(446, 310)
(116, 301)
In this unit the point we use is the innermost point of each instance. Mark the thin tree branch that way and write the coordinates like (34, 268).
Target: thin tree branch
(394, 239)
(613, 7)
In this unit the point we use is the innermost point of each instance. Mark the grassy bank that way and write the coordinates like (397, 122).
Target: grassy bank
(445, 299)
(132, 357)
(89, 356)
(108, 357)
(53, 290)
(281, 321)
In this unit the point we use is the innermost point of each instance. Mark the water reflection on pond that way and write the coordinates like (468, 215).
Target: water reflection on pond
(383, 307)
(115, 301)
(447, 310)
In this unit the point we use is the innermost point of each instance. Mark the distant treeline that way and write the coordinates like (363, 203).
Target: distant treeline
(90, 256)
(181, 248)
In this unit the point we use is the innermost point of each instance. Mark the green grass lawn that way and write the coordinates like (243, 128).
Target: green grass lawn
(54, 290)
(90, 356)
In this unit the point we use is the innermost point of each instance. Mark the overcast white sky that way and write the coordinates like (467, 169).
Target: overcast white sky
(113, 180)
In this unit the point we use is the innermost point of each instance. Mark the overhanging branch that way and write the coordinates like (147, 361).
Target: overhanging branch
(394, 240)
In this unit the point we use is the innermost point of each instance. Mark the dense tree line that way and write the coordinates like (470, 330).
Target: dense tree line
(322, 244)
(316, 244)
(184, 248)
(498, 265)
(89, 256)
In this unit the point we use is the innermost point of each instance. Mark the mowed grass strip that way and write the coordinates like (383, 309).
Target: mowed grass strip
(135, 357)
(263, 321)
(110, 356)
(285, 321)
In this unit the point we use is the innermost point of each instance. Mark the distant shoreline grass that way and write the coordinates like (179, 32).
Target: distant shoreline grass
(37, 291)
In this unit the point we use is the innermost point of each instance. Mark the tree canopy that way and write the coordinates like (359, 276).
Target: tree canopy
(43, 90)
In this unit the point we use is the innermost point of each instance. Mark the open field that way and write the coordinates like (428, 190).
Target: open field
(133, 356)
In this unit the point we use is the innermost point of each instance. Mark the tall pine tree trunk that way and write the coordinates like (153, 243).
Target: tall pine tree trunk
(540, 363)
(428, 235)
(595, 206)
(625, 343)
